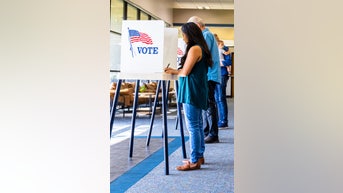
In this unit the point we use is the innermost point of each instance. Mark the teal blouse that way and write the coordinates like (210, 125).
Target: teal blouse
(193, 89)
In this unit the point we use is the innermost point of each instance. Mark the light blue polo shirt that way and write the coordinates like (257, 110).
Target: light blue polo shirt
(214, 71)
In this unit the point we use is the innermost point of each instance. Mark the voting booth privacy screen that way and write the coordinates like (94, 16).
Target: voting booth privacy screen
(147, 47)
(181, 49)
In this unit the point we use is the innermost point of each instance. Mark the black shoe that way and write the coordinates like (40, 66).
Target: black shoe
(222, 124)
(221, 128)
(210, 139)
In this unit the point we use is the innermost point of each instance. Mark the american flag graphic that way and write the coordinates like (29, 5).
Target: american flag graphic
(136, 36)
(179, 52)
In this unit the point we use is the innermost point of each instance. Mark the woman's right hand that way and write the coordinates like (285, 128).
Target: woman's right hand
(170, 71)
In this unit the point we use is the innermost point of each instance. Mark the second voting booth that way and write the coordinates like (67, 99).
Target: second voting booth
(147, 47)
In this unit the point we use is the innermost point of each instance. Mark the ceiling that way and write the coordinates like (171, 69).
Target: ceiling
(204, 4)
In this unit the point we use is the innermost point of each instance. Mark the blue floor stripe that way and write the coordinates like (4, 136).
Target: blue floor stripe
(129, 178)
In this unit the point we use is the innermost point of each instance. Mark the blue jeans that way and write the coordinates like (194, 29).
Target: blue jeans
(220, 95)
(210, 116)
(193, 120)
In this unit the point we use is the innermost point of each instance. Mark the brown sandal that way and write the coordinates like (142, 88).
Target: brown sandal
(189, 166)
(201, 160)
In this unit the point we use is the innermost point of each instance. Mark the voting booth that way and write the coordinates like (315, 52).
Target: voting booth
(147, 47)
(181, 49)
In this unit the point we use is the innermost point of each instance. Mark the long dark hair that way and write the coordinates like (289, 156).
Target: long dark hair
(195, 37)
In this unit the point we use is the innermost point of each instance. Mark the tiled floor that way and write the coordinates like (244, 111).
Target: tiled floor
(145, 170)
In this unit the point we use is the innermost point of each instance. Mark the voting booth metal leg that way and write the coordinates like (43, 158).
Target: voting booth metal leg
(153, 112)
(114, 105)
(133, 119)
(165, 129)
(167, 93)
(179, 119)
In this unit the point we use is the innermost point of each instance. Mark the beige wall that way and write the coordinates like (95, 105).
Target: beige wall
(209, 16)
(226, 33)
(161, 9)
(288, 97)
(51, 132)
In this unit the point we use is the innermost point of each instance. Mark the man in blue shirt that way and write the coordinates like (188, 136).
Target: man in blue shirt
(210, 116)
(220, 92)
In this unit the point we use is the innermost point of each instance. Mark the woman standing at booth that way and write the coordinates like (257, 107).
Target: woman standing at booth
(193, 91)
